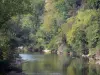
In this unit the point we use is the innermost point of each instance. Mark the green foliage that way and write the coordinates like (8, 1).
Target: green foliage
(54, 43)
(80, 42)
(81, 21)
(93, 3)
(18, 20)
(64, 7)
(83, 30)
(93, 31)
(9, 8)
(48, 24)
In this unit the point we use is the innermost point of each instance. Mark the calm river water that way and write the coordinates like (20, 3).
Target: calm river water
(51, 64)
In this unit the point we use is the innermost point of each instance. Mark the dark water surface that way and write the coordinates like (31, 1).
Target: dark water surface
(51, 64)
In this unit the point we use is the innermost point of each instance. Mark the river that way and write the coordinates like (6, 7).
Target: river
(52, 64)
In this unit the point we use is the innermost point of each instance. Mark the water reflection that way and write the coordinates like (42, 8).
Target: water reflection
(30, 57)
(55, 65)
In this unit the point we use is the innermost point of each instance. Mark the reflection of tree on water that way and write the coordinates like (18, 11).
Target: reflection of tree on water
(80, 66)
(85, 66)
(89, 69)
(94, 69)
(66, 64)
(76, 66)
(63, 66)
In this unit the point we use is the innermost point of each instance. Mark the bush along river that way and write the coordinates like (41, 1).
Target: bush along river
(52, 64)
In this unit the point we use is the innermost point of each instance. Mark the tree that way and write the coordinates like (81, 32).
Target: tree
(93, 4)
(9, 8)
(81, 42)
(11, 28)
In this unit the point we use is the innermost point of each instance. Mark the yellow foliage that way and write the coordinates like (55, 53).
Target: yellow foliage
(49, 5)
(81, 20)
(49, 15)
(47, 22)
(67, 26)
(84, 17)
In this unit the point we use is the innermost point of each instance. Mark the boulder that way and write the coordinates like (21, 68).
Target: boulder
(47, 51)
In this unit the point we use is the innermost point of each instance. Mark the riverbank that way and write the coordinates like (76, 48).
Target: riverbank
(15, 73)
(45, 64)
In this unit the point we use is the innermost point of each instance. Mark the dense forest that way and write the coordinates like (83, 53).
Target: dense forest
(49, 24)
(56, 25)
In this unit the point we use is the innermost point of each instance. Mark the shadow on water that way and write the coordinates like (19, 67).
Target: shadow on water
(57, 65)
(76, 66)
